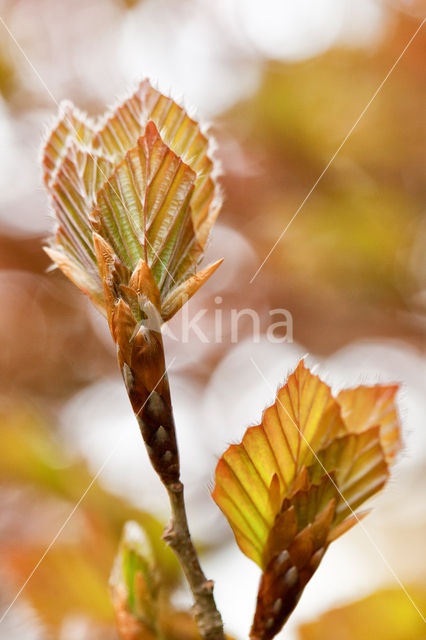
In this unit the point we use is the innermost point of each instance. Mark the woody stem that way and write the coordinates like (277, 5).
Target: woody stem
(177, 535)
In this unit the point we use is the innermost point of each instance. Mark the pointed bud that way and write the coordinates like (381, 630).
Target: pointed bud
(142, 281)
(112, 274)
(181, 294)
(123, 329)
(149, 394)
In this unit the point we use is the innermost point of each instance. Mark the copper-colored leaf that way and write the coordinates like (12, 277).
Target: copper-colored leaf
(71, 125)
(121, 130)
(143, 211)
(73, 194)
(292, 485)
(152, 196)
(358, 465)
(365, 407)
(304, 418)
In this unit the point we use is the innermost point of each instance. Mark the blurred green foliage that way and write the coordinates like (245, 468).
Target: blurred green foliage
(347, 240)
(73, 576)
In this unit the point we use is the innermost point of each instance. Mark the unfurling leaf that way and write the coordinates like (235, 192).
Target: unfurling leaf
(368, 406)
(134, 587)
(135, 196)
(292, 485)
(143, 179)
(142, 605)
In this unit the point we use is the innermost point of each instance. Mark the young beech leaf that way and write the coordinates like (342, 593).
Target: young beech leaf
(368, 406)
(135, 196)
(133, 585)
(151, 218)
(71, 126)
(143, 179)
(119, 131)
(142, 605)
(292, 485)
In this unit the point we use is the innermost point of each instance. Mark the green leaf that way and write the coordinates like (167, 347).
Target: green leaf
(133, 582)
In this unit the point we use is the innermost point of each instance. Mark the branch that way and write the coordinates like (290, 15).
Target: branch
(177, 535)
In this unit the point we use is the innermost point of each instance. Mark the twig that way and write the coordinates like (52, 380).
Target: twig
(177, 535)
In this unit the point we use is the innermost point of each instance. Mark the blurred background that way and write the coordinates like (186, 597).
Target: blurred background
(281, 84)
